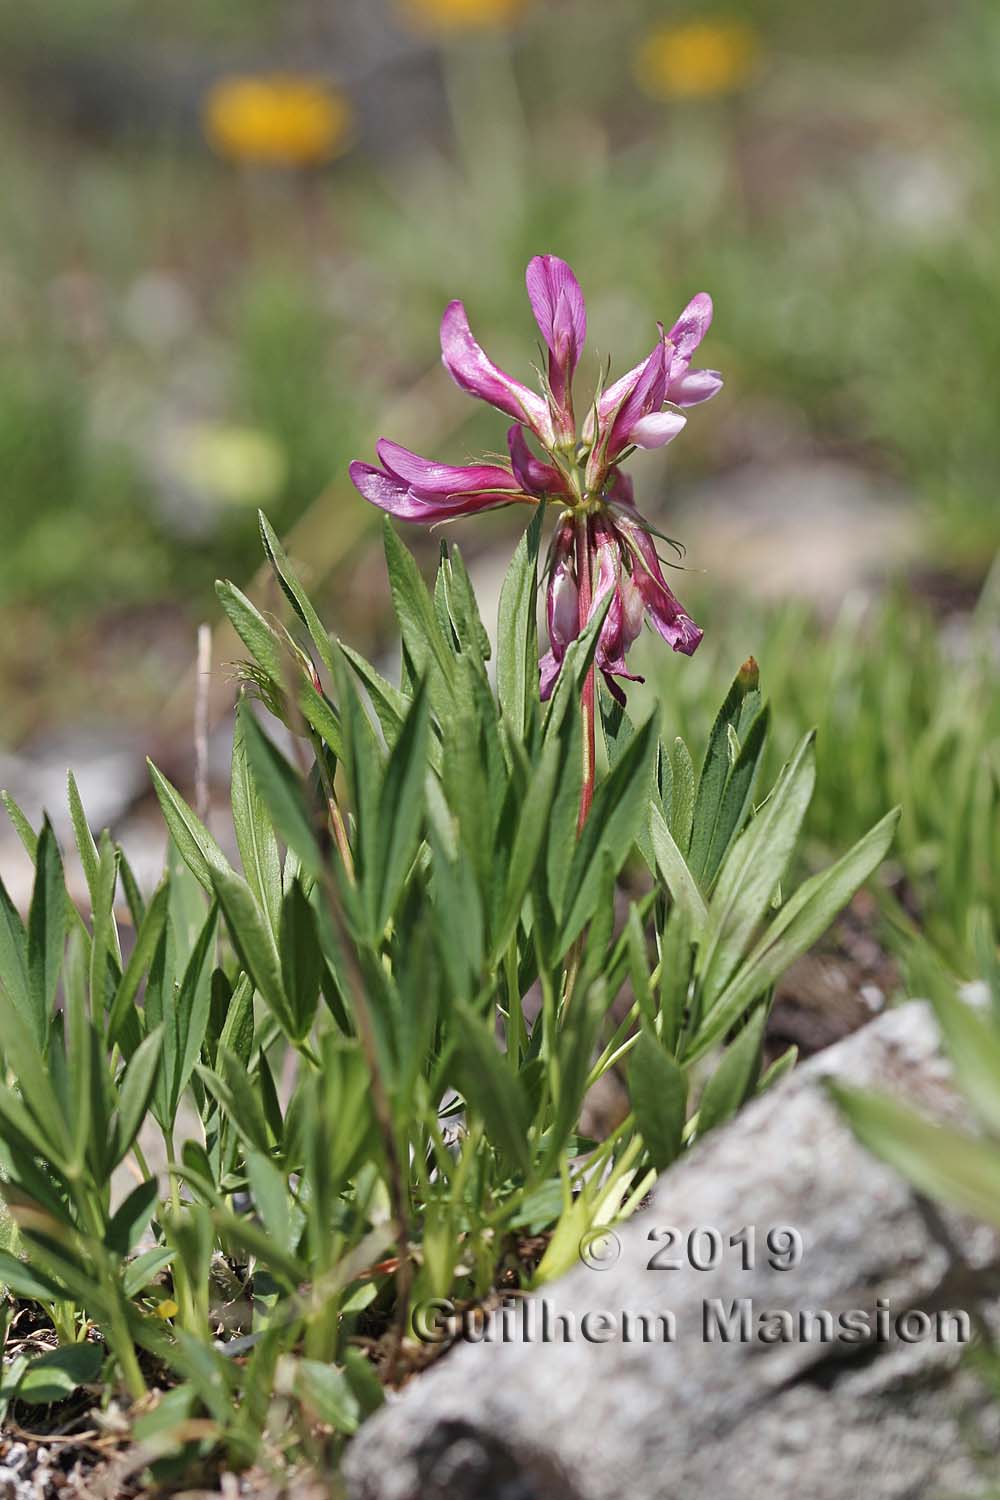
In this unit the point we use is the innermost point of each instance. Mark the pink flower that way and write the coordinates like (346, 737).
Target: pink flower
(601, 542)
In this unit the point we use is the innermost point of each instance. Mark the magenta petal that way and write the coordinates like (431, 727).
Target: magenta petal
(558, 305)
(548, 671)
(531, 473)
(614, 394)
(382, 489)
(474, 372)
(656, 430)
(693, 387)
(645, 396)
(432, 479)
(562, 603)
(665, 610)
(692, 326)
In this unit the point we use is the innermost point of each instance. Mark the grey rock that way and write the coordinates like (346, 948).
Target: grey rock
(529, 1420)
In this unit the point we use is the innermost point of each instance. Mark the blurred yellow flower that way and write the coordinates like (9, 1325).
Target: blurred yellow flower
(696, 60)
(460, 15)
(279, 120)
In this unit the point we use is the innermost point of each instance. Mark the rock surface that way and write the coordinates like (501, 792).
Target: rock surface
(683, 1420)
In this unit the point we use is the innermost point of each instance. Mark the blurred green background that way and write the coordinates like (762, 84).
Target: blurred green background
(227, 232)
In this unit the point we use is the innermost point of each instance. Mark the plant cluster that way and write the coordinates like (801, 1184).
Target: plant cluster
(366, 1049)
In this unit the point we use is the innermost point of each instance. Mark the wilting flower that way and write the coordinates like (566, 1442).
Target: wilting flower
(601, 543)
(696, 59)
(460, 15)
(277, 120)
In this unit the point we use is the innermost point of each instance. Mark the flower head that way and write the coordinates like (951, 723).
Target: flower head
(460, 15)
(277, 120)
(601, 542)
(696, 59)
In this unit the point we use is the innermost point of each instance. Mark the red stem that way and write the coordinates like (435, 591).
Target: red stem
(584, 583)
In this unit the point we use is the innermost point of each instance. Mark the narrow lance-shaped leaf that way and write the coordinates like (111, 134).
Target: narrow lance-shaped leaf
(674, 871)
(135, 1092)
(734, 1077)
(750, 875)
(618, 807)
(423, 640)
(799, 924)
(282, 791)
(517, 630)
(491, 1089)
(717, 770)
(941, 1162)
(197, 847)
(401, 809)
(658, 1090)
(253, 827)
(47, 917)
(13, 954)
(254, 943)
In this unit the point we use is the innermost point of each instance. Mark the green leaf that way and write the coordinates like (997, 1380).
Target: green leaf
(270, 1196)
(401, 810)
(974, 1044)
(735, 800)
(24, 1058)
(364, 1382)
(682, 801)
(14, 955)
(253, 827)
(461, 606)
(47, 917)
(799, 924)
(750, 875)
(282, 791)
(28, 1281)
(326, 1392)
(301, 959)
(294, 592)
(133, 895)
(517, 630)
(105, 938)
(197, 847)
(238, 1031)
(943, 1163)
(675, 873)
(56, 1374)
(529, 839)
(22, 827)
(716, 772)
(232, 1087)
(260, 638)
(254, 943)
(658, 1090)
(390, 705)
(781, 1065)
(491, 1089)
(618, 807)
(187, 1015)
(131, 1218)
(136, 1091)
(86, 847)
(734, 1078)
(141, 1271)
(423, 639)
(140, 958)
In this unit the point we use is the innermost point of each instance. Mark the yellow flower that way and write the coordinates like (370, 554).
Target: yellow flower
(696, 60)
(278, 120)
(460, 15)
